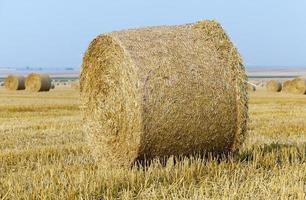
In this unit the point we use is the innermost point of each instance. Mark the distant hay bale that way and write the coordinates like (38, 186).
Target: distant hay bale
(75, 85)
(251, 87)
(161, 91)
(38, 82)
(295, 86)
(14, 82)
(52, 85)
(1, 84)
(286, 86)
(274, 86)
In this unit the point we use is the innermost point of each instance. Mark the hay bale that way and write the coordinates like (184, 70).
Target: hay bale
(295, 86)
(161, 91)
(286, 86)
(1, 84)
(274, 86)
(251, 87)
(14, 82)
(52, 85)
(38, 82)
(75, 85)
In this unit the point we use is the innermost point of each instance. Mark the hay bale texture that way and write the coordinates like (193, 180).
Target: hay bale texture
(274, 86)
(14, 82)
(38, 82)
(295, 86)
(160, 91)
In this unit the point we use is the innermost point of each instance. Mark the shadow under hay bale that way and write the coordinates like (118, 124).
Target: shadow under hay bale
(38, 82)
(163, 91)
(274, 86)
(14, 82)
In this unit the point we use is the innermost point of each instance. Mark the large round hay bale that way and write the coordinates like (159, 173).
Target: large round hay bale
(274, 86)
(14, 82)
(161, 91)
(38, 82)
(286, 86)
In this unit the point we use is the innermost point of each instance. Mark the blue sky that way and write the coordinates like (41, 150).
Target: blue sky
(55, 33)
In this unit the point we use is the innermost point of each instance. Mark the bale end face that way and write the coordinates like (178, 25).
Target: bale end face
(109, 96)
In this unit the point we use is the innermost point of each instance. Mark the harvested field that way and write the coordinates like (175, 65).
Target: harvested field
(44, 155)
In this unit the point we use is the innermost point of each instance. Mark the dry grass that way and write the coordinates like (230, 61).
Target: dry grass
(43, 155)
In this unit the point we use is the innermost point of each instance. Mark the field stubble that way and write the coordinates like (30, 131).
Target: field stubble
(44, 155)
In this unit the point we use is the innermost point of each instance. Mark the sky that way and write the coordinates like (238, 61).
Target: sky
(55, 33)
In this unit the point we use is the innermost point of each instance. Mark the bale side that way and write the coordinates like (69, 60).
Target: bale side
(15, 82)
(227, 52)
(274, 86)
(38, 82)
(161, 91)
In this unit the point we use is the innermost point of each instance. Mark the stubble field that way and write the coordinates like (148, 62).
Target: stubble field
(44, 155)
